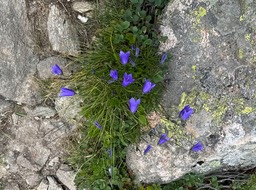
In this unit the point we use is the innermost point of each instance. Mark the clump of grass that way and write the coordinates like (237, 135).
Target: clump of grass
(99, 154)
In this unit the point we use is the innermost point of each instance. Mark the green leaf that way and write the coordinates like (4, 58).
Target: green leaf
(119, 27)
(148, 18)
(148, 42)
(134, 1)
(142, 120)
(128, 13)
(157, 78)
(144, 29)
(118, 38)
(135, 18)
(131, 38)
(158, 2)
(125, 25)
(135, 29)
(142, 13)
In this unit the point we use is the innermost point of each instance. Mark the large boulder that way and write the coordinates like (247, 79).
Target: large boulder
(18, 63)
(213, 71)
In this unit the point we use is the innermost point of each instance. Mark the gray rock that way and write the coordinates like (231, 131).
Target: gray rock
(32, 178)
(66, 176)
(53, 185)
(42, 186)
(62, 34)
(29, 92)
(31, 162)
(5, 106)
(54, 162)
(25, 163)
(44, 67)
(69, 108)
(213, 71)
(43, 112)
(82, 6)
(12, 186)
(18, 61)
(3, 171)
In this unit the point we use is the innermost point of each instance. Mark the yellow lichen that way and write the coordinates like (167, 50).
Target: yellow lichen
(254, 59)
(239, 105)
(247, 37)
(193, 68)
(182, 100)
(201, 12)
(241, 18)
(220, 111)
(240, 53)
(204, 96)
(174, 130)
(247, 110)
(206, 108)
(187, 99)
(215, 163)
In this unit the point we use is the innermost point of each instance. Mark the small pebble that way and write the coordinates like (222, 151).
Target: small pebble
(82, 18)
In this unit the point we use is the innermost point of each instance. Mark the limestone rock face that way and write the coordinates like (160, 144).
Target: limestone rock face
(18, 63)
(213, 44)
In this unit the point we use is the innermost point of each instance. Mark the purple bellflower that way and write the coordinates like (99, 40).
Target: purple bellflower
(186, 112)
(56, 70)
(164, 138)
(66, 92)
(124, 57)
(137, 52)
(198, 147)
(163, 58)
(114, 74)
(97, 125)
(133, 47)
(148, 86)
(134, 105)
(127, 79)
(147, 149)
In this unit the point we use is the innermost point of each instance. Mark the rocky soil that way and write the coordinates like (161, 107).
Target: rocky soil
(36, 34)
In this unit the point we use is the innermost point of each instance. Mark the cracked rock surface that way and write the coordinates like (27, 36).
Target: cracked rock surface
(213, 70)
(33, 129)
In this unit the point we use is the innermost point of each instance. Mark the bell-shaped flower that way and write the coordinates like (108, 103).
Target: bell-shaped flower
(56, 70)
(186, 112)
(134, 105)
(114, 74)
(133, 47)
(164, 138)
(147, 149)
(148, 86)
(124, 57)
(163, 58)
(198, 147)
(97, 125)
(127, 79)
(66, 92)
(137, 52)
